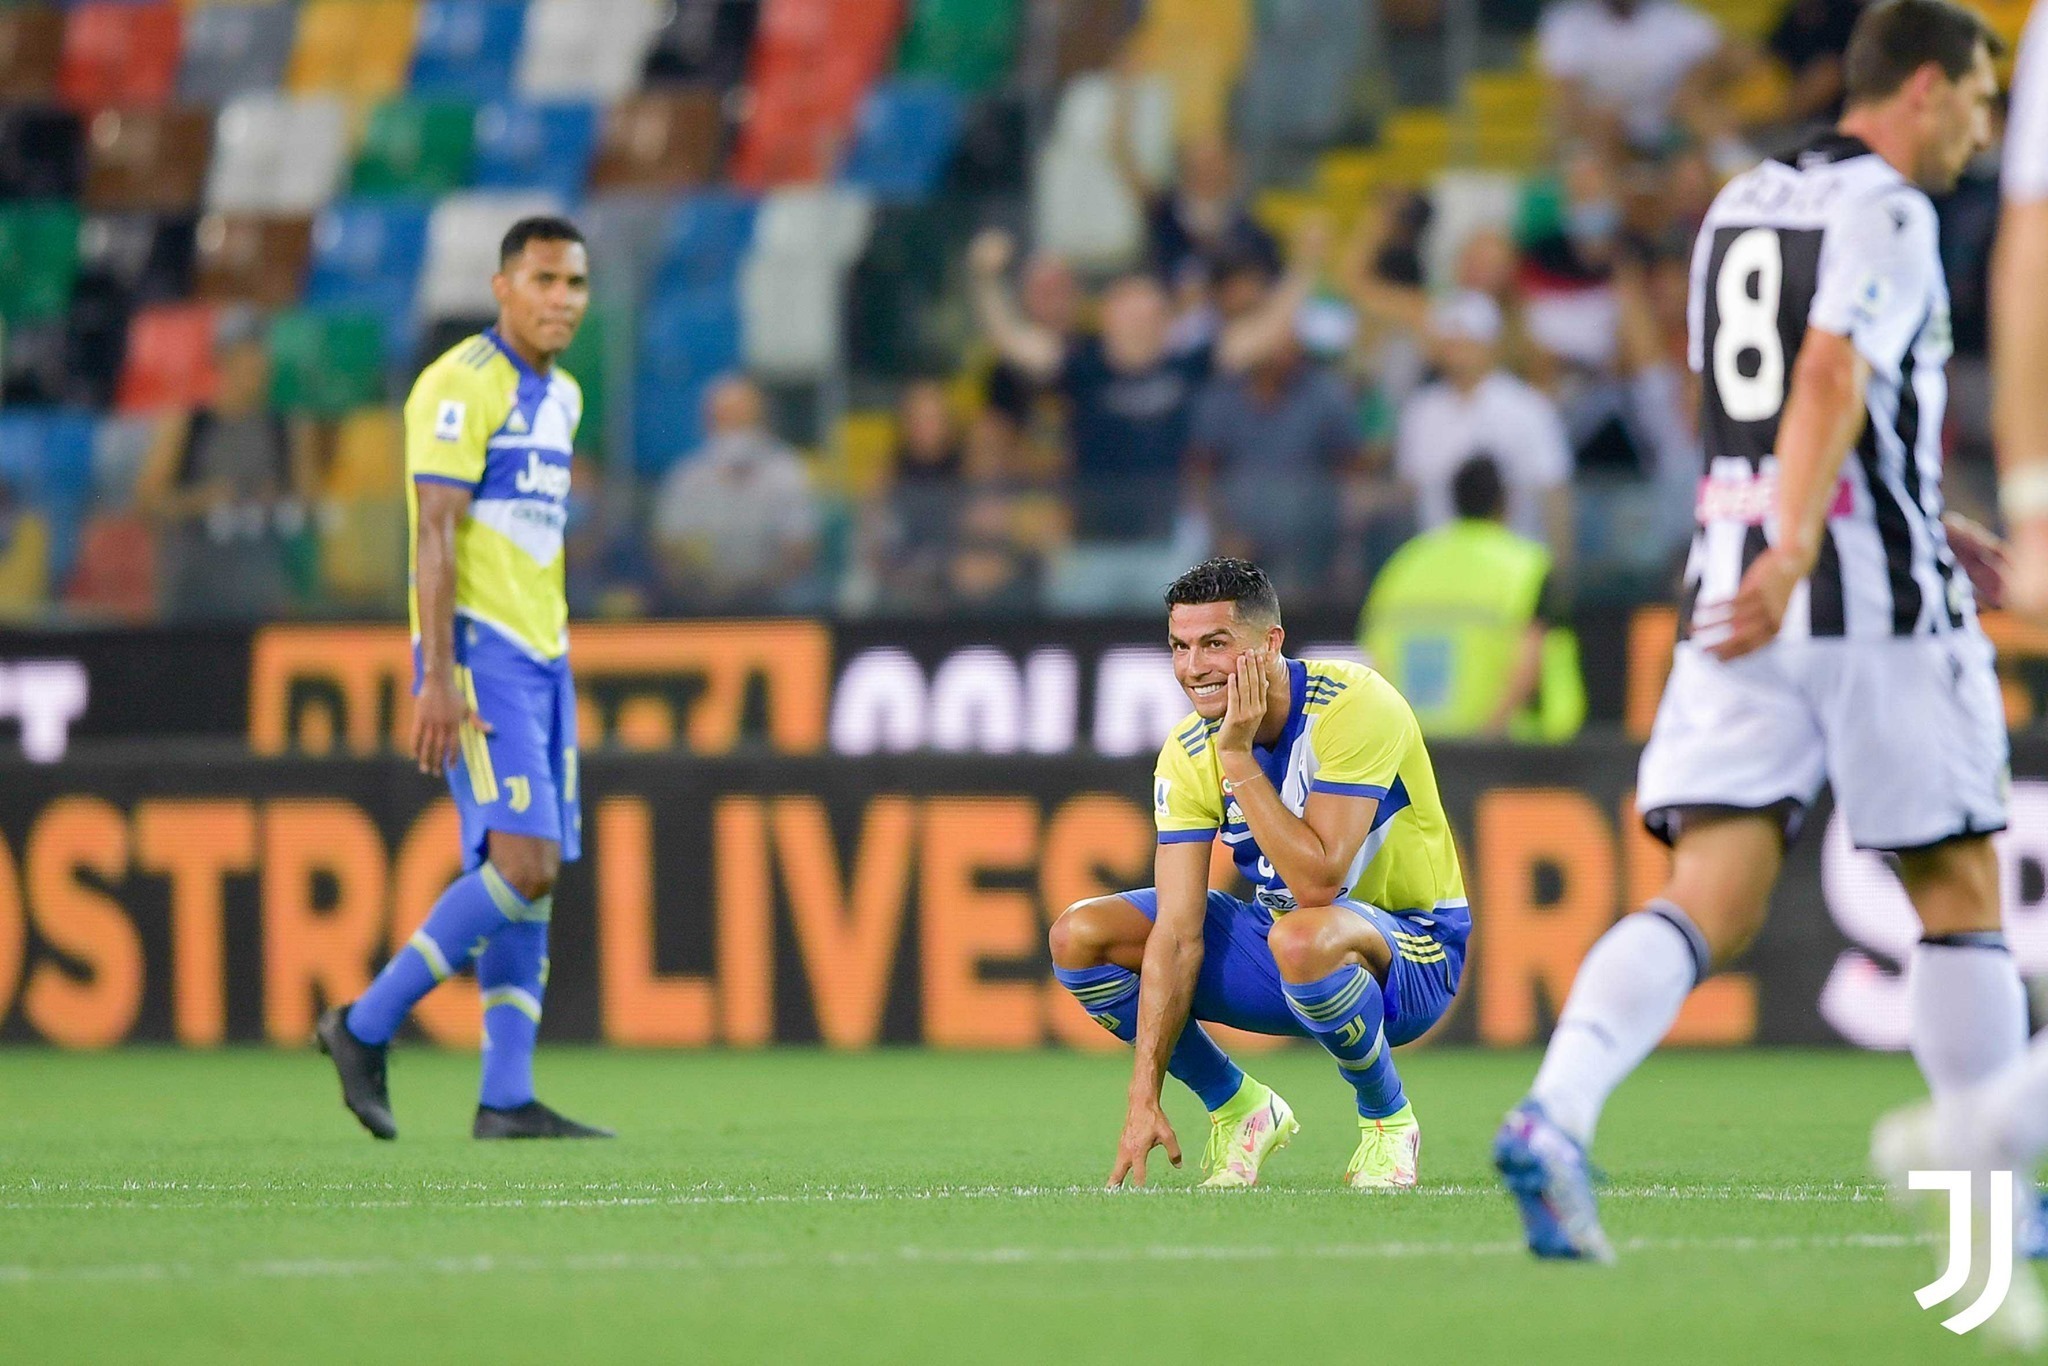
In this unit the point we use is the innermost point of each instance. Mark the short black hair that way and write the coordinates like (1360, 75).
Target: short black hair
(1894, 39)
(1477, 490)
(1224, 579)
(540, 228)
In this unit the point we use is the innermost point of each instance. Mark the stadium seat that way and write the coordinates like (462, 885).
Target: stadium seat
(416, 147)
(47, 457)
(1198, 48)
(139, 258)
(75, 360)
(586, 49)
(902, 140)
(703, 41)
(115, 575)
(897, 322)
(687, 339)
(1298, 82)
(589, 360)
(625, 232)
(968, 44)
(1086, 36)
(120, 54)
(992, 155)
(25, 554)
(252, 258)
(42, 153)
(704, 241)
(362, 552)
(31, 52)
(793, 284)
(325, 364)
(1080, 205)
(152, 159)
(813, 63)
(462, 248)
(665, 141)
(367, 257)
(278, 154)
(232, 49)
(170, 359)
(522, 146)
(38, 260)
(464, 49)
(119, 446)
(358, 49)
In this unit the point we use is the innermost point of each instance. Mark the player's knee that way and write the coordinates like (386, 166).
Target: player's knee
(1076, 938)
(528, 869)
(1304, 948)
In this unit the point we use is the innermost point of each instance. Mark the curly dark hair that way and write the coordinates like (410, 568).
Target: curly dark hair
(1226, 579)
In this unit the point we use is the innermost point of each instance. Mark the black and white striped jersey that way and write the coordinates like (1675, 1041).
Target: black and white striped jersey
(1833, 238)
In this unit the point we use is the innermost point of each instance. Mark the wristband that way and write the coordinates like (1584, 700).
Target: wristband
(2023, 493)
(1230, 788)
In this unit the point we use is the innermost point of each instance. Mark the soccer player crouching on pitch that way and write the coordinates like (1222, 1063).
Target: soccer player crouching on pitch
(489, 430)
(1315, 776)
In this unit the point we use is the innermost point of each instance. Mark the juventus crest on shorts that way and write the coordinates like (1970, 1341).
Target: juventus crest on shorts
(1835, 238)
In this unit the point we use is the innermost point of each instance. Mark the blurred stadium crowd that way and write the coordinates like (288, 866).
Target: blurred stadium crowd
(902, 307)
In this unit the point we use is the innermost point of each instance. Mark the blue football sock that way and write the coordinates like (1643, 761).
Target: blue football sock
(1110, 994)
(1345, 1013)
(512, 972)
(475, 906)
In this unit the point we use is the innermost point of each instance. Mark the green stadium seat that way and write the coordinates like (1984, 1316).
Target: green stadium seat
(416, 147)
(969, 44)
(586, 360)
(38, 261)
(326, 364)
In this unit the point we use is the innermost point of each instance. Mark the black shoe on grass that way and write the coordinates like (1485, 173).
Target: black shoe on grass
(361, 1069)
(531, 1120)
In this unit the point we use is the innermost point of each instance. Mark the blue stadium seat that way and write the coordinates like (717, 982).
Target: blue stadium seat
(47, 454)
(687, 339)
(704, 241)
(522, 146)
(903, 140)
(367, 255)
(467, 48)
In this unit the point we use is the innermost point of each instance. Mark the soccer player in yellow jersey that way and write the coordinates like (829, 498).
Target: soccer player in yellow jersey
(489, 430)
(1314, 775)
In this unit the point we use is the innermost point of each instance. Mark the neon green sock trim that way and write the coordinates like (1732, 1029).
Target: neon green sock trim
(1249, 1096)
(1399, 1119)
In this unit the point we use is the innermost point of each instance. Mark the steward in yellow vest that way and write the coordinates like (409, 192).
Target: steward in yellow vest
(1463, 621)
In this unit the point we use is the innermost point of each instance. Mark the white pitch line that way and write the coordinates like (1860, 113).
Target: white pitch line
(314, 1269)
(430, 1195)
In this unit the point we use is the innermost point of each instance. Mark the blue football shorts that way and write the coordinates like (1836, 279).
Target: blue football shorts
(1239, 985)
(521, 777)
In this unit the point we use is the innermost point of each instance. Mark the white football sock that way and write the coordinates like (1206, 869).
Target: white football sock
(2011, 1114)
(1969, 1017)
(1627, 993)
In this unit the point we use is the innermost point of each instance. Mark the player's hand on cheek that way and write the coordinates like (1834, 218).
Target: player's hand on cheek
(1246, 690)
(1145, 1128)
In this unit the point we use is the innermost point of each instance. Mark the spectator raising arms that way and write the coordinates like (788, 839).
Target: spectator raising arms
(736, 522)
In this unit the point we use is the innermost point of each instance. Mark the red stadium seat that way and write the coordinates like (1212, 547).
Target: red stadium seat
(116, 571)
(170, 359)
(813, 63)
(31, 49)
(121, 54)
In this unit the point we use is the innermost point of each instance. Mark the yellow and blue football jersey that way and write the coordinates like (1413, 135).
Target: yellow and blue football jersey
(1349, 732)
(481, 418)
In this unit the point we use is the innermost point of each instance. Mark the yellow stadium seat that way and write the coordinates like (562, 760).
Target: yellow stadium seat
(1198, 47)
(361, 49)
(369, 455)
(864, 453)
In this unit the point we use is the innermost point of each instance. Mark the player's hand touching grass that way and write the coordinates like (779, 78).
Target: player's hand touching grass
(1246, 692)
(439, 714)
(1145, 1128)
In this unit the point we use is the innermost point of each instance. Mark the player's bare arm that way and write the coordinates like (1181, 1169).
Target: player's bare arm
(440, 710)
(1173, 959)
(1824, 414)
(2019, 412)
(1311, 852)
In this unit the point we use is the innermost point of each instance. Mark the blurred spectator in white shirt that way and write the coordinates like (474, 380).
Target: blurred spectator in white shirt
(1477, 408)
(1628, 72)
(736, 523)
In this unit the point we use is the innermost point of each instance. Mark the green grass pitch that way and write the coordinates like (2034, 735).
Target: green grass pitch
(906, 1206)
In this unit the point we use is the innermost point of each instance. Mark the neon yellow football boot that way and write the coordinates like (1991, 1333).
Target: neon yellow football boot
(1389, 1151)
(1244, 1133)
